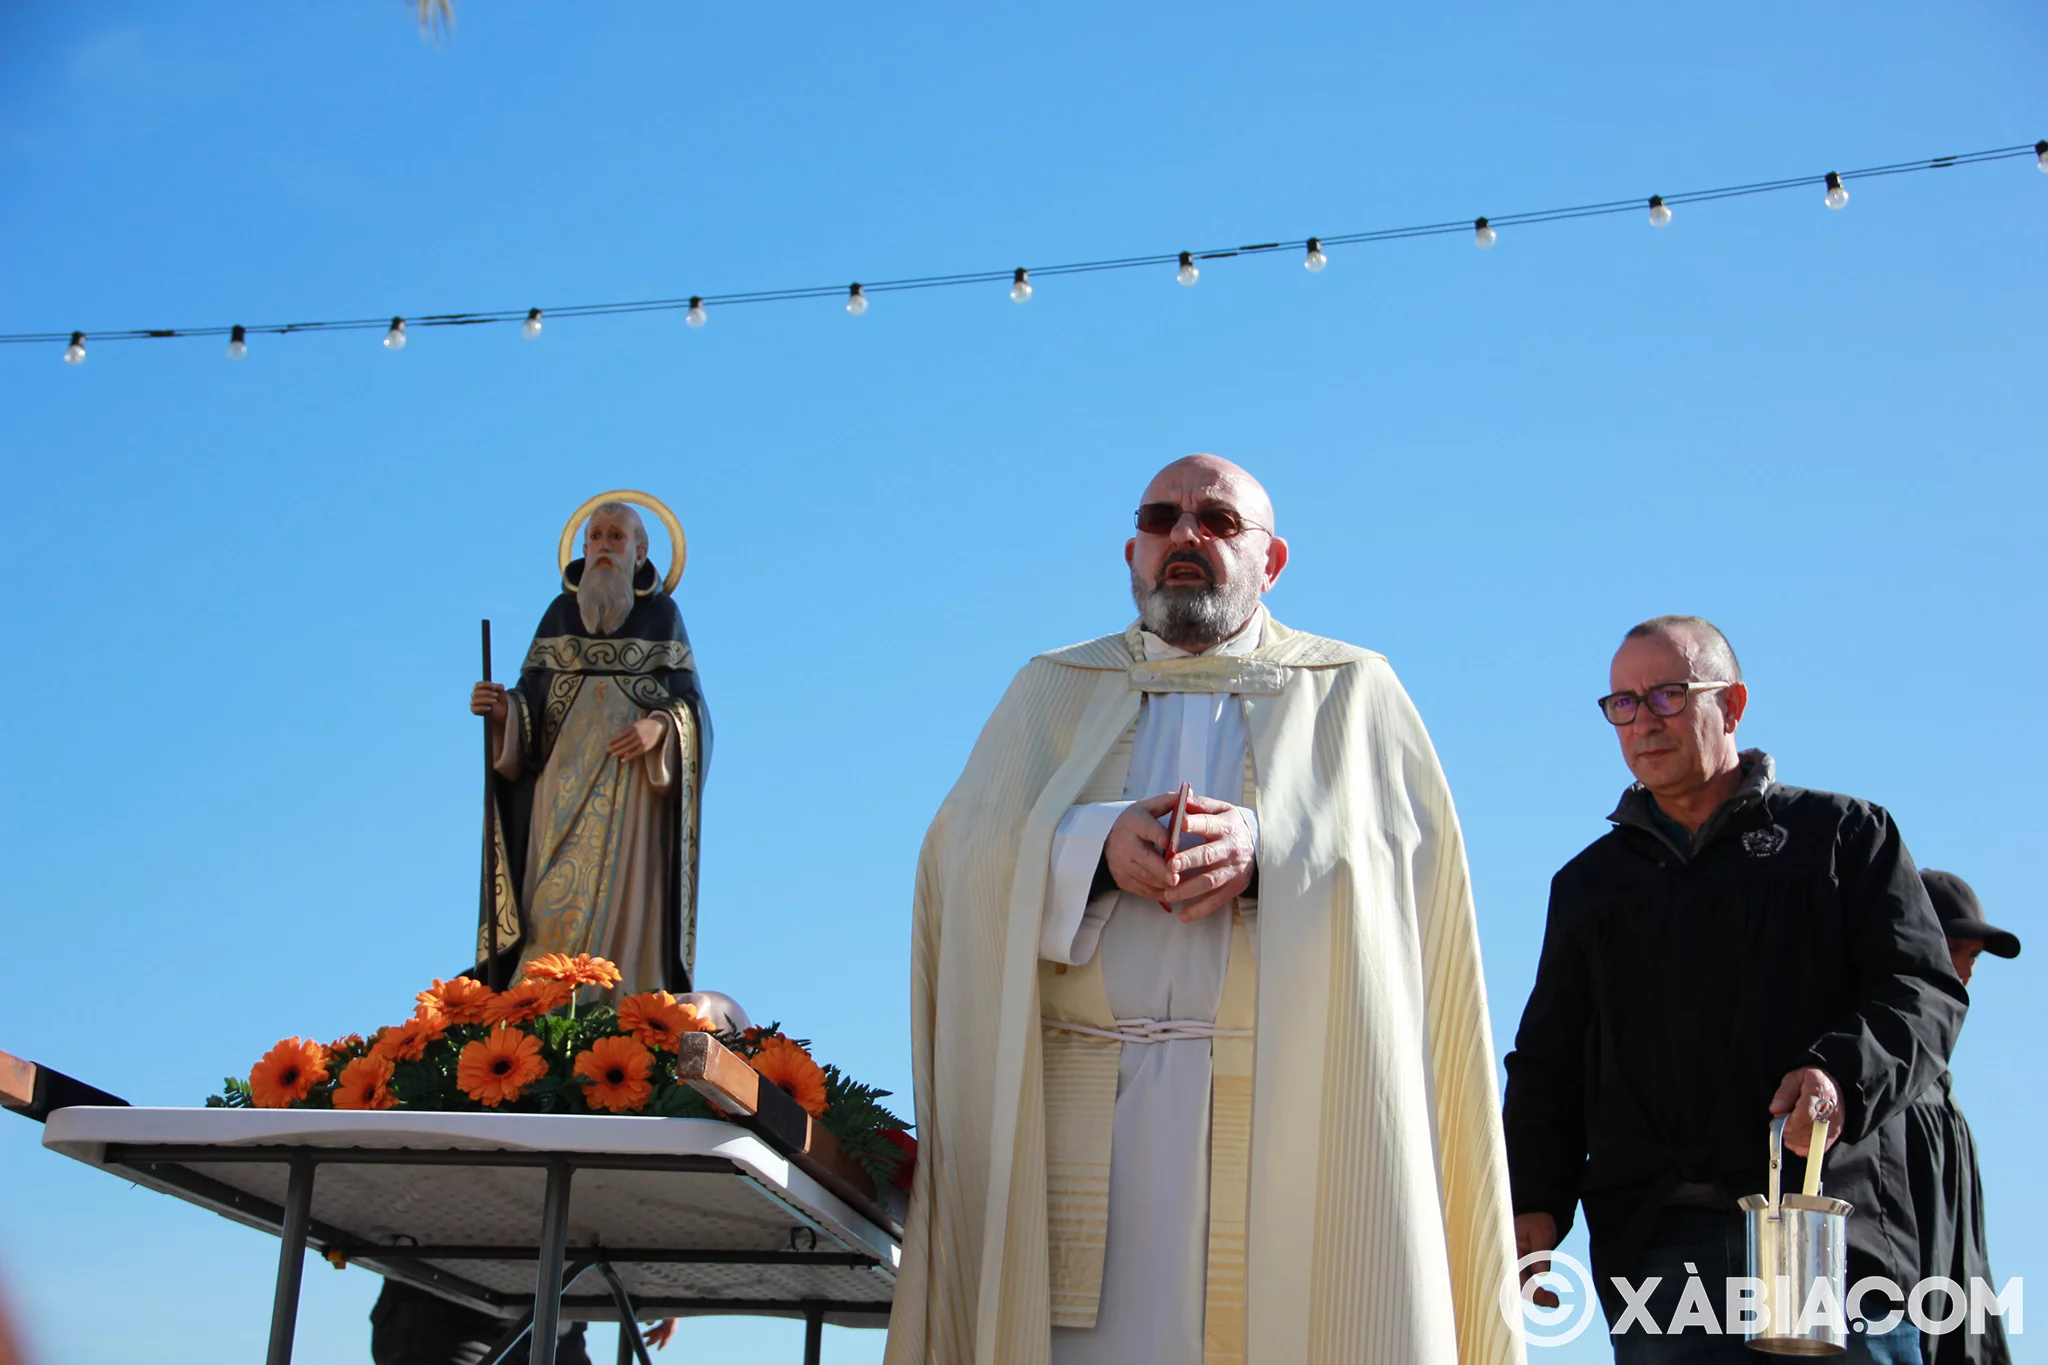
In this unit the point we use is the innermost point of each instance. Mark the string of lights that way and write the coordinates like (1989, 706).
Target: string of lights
(1485, 232)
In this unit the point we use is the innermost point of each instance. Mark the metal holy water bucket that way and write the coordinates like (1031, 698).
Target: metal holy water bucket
(1797, 1241)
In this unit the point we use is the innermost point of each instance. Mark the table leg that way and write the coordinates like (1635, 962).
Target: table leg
(500, 1351)
(291, 1258)
(814, 1335)
(554, 1240)
(632, 1350)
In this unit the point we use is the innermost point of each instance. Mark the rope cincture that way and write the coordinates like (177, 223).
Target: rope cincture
(1143, 1030)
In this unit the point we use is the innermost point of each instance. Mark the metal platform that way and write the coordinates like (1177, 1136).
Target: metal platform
(530, 1217)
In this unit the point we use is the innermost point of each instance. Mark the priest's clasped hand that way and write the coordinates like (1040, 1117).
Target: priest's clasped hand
(1194, 881)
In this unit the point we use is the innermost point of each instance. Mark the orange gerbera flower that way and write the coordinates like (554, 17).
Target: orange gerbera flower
(348, 1045)
(580, 970)
(407, 1042)
(527, 1000)
(365, 1083)
(790, 1069)
(463, 1000)
(288, 1073)
(658, 1019)
(617, 1069)
(494, 1069)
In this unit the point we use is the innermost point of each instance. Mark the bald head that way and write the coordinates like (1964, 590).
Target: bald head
(1197, 584)
(1212, 481)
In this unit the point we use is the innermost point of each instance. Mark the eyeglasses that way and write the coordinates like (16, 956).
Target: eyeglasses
(1665, 699)
(1160, 518)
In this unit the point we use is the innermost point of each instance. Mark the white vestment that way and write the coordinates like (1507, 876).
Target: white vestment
(1155, 968)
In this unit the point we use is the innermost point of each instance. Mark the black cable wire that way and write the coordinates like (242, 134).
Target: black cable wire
(1005, 275)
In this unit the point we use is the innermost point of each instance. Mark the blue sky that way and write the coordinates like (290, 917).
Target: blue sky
(241, 785)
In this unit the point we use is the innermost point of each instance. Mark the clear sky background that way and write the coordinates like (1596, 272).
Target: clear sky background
(241, 786)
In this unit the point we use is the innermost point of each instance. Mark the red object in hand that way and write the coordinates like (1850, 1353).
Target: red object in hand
(907, 1145)
(1176, 828)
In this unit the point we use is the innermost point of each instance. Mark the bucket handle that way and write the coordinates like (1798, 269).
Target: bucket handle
(1816, 1152)
(1777, 1159)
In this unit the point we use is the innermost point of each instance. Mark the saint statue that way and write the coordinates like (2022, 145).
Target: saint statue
(599, 755)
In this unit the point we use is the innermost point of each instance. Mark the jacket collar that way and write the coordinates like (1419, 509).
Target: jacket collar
(1638, 809)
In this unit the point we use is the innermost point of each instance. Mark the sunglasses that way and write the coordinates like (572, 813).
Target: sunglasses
(1666, 700)
(1160, 518)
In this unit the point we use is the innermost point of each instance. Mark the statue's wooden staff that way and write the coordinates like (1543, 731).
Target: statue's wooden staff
(492, 969)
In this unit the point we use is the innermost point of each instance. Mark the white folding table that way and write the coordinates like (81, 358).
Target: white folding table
(669, 1217)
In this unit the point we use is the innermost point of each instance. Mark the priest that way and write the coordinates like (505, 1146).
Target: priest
(600, 754)
(1231, 1101)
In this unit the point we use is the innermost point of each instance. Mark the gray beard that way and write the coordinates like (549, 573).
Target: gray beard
(1197, 618)
(604, 598)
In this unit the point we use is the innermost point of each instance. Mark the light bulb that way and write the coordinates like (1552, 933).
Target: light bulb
(1837, 196)
(74, 354)
(238, 342)
(531, 327)
(1483, 234)
(856, 301)
(1316, 259)
(695, 317)
(2041, 155)
(1187, 274)
(1660, 212)
(1020, 286)
(394, 340)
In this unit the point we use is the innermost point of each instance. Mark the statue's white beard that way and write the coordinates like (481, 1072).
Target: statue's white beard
(604, 598)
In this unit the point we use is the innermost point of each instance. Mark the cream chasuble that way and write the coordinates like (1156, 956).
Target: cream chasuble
(1371, 1223)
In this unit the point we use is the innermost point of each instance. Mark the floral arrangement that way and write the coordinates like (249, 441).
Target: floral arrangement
(530, 1050)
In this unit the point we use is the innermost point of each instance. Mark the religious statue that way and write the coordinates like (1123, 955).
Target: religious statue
(598, 756)
(1199, 1031)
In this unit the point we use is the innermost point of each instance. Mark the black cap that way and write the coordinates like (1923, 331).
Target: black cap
(1961, 915)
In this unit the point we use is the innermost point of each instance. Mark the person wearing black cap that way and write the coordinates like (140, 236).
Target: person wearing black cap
(1941, 1154)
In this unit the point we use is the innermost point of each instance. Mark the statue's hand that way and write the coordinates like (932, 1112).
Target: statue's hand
(488, 699)
(641, 737)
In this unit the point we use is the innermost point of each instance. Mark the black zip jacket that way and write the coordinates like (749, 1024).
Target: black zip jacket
(1678, 985)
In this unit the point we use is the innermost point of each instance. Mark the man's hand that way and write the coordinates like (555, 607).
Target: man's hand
(641, 737)
(1536, 1232)
(1808, 1094)
(1217, 870)
(658, 1335)
(1195, 881)
(1135, 848)
(488, 699)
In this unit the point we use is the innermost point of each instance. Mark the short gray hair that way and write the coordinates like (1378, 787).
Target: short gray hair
(1712, 657)
(623, 510)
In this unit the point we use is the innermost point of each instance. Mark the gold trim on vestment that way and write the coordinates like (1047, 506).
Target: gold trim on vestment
(1211, 673)
(587, 654)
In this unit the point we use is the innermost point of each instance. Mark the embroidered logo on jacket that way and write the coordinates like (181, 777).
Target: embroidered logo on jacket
(1762, 843)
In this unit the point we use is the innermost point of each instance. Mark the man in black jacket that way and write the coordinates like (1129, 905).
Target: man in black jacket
(1733, 949)
(1941, 1153)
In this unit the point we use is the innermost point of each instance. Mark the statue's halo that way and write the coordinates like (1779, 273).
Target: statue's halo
(679, 548)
